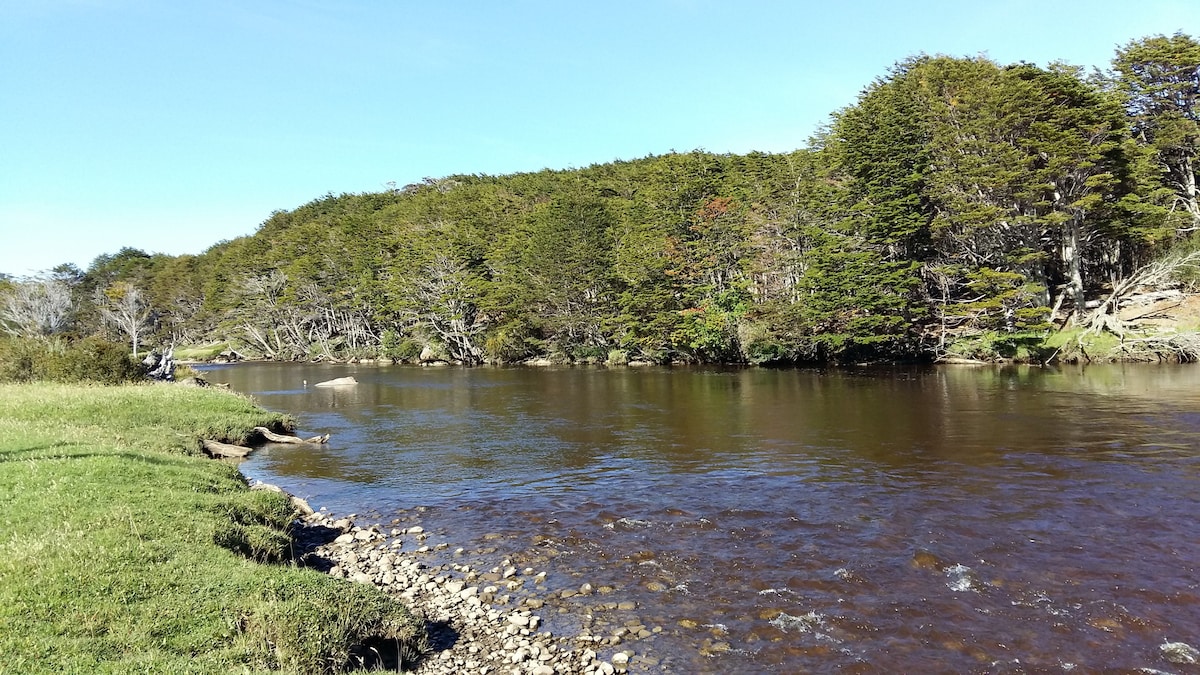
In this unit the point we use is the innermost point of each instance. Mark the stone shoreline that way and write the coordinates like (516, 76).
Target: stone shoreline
(477, 626)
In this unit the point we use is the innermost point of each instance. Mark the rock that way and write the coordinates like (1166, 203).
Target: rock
(337, 382)
(344, 539)
(362, 578)
(542, 670)
(586, 589)
(1180, 652)
(620, 659)
(627, 606)
(519, 620)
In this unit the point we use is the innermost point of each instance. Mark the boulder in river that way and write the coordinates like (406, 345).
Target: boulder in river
(339, 382)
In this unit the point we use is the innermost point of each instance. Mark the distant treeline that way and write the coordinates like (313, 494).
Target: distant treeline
(956, 197)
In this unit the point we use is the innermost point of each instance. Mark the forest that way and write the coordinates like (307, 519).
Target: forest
(957, 203)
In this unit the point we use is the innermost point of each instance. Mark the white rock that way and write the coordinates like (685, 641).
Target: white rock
(337, 382)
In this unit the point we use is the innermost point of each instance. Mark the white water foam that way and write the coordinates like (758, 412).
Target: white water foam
(628, 522)
(801, 624)
(960, 579)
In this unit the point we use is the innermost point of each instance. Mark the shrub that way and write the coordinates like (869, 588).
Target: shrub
(398, 348)
(91, 359)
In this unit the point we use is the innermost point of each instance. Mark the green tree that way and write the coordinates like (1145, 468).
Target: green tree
(1160, 79)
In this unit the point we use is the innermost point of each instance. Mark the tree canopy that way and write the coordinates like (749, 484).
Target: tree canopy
(955, 196)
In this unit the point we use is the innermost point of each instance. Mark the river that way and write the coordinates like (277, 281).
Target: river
(776, 521)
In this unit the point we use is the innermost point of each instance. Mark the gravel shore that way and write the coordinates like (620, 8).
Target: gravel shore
(481, 621)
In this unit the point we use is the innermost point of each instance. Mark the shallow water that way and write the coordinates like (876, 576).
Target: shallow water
(940, 519)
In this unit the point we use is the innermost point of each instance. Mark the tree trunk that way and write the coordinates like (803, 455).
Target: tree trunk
(1072, 258)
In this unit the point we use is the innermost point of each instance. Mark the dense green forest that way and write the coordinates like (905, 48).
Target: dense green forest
(956, 198)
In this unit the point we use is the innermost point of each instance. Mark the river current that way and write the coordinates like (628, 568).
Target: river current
(777, 521)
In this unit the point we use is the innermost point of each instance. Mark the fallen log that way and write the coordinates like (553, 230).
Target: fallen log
(280, 438)
(219, 449)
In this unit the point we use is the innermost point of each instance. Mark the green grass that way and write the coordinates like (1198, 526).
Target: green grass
(200, 352)
(122, 552)
(1077, 345)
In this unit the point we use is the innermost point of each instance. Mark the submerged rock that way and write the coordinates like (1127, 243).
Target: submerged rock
(1180, 652)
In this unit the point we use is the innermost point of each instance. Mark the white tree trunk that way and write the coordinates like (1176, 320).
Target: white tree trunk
(1072, 258)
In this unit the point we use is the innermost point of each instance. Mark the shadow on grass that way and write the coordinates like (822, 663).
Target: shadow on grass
(305, 542)
(382, 654)
(53, 451)
(375, 653)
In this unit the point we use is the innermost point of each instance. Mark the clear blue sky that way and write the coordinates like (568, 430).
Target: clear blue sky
(169, 125)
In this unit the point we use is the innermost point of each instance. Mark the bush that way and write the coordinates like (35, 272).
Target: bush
(397, 347)
(91, 359)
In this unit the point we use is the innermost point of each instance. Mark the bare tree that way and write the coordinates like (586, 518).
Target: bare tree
(36, 308)
(123, 306)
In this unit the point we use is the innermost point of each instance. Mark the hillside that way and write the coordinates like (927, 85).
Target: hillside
(958, 202)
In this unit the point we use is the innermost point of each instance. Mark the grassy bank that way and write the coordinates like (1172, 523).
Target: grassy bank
(121, 551)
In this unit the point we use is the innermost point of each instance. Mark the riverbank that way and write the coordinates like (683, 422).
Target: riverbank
(125, 550)
(480, 621)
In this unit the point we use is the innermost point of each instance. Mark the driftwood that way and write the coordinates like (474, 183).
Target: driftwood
(280, 438)
(160, 367)
(339, 382)
(219, 449)
(1157, 273)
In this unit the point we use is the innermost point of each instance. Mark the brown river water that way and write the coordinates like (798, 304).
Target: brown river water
(777, 521)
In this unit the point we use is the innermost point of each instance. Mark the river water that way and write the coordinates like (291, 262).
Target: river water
(778, 521)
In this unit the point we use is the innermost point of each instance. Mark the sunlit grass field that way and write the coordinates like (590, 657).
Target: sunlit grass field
(124, 550)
